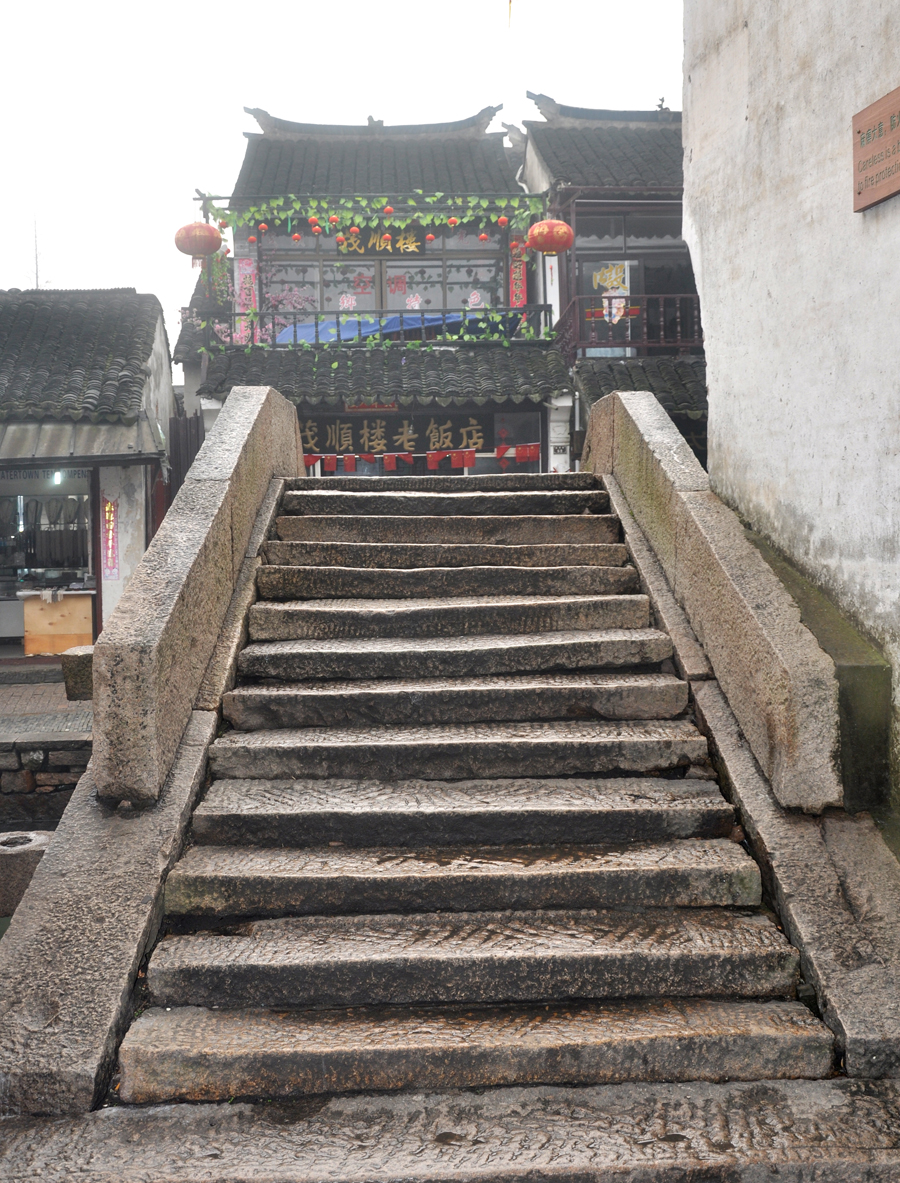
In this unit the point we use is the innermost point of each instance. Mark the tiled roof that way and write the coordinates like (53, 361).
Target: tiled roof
(678, 382)
(628, 159)
(479, 375)
(73, 355)
(191, 336)
(559, 115)
(448, 158)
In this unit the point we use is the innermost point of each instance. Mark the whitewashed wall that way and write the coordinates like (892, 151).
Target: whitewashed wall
(126, 487)
(800, 296)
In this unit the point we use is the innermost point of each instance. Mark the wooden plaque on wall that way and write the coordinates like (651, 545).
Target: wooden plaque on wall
(876, 152)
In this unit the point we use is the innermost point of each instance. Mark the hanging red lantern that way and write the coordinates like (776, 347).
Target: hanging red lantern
(296, 237)
(223, 225)
(263, 227)
(429, 238)
(252, 238)
(388, 209)
(339, 239)
(385, 238)
(551, 236)
(317, 230)
(502, 221)
(453, 221)
(334, 219)
(198, 239)
(354, 229)
(484, 238)
(313, 221)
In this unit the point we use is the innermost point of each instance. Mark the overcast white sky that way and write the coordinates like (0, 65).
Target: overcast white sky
(117, 112)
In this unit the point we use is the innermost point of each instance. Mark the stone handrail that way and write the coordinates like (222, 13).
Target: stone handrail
(151, 657)
(780, 684)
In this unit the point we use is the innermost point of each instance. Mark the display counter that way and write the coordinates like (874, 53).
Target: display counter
(56, 619)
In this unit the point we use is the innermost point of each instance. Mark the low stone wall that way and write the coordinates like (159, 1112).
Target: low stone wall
(153, 653)
(38, 775)
(781, 685)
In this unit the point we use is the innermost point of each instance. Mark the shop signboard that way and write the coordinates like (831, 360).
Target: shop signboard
(876, 152)
(382, 432)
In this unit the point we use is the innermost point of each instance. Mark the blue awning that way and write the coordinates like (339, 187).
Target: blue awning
(348, 328)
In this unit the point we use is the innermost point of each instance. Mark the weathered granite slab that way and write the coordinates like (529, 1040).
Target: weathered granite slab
(70, 957)
(77, 664)
(511, 530)
(20, 853)
(154, 651)
(429, 502)
(823, 1131)
(510, 482)
(391, 555)
(840, 930)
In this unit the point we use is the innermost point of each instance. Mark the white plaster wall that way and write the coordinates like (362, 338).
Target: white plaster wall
(159, 397)
(127, 486)
(800, 296)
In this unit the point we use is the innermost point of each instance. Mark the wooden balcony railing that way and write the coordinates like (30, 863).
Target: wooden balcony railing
(640, 325)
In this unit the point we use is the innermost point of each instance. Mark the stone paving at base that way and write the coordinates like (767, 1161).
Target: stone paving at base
(39, 708)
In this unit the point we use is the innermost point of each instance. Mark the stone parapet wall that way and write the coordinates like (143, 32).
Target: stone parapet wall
(780, 684)
(152, 656)
(37, 776)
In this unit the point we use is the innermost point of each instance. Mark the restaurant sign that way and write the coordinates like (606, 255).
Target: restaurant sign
(876, 152)
(384, 240)
(385, 432)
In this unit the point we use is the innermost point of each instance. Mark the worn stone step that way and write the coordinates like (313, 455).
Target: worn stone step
(234, 881)
(476, 957)
(458, 752)
(444, 616)
(421, 812)
(540, 502)
(426, 554)
(520, 697)
(482, 483)
(780, 1131)
(427, 657)
(521, 529)
(194, 1054)
(304, 582)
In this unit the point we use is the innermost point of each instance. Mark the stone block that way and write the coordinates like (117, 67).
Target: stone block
(17, 782)
(9, 761)
(77, 664)
(20, 854)
(597, 455)
(72, 758)
(652, 463)
(780, 684)
(25, 811)
(33, 758)
(55, 778)
(69, 962)
(154, 651)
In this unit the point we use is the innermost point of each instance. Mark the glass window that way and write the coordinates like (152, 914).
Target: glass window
(292, 287)
(474, 284)
(348, 286)
(656, 232)
(413, 286)
(605, 234)
(465, 238)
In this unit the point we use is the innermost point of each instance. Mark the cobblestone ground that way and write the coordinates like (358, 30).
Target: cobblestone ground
(40, 707)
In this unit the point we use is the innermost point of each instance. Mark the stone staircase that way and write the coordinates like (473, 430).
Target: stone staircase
(463, 831)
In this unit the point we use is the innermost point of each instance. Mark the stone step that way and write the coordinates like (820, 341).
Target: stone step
(427, 554)
(580, 528)
(540, 502)
(782, 1131)
(447, 616)
(517, 698)
(304, 582)
(459, 752)
(434, 657)
(483, 483)
(460, 957)
(194, 1054)
(231, 881)
(358, 812)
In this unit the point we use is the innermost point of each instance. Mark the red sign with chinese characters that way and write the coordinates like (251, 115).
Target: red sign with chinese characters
(110, 515)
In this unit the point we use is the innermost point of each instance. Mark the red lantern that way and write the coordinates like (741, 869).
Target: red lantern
(252, 238)
(313, 221)
(198, 239)
(263, 227)
(334, 219)
(503, 221)
(429, 238)
(339, 239)
(227, 251)
(388, 209)
(317, 230)
(354, 229)
(385, 238)
(453, 221)
(223, 225)
(484, 238)
(296, 237)
(551, 236)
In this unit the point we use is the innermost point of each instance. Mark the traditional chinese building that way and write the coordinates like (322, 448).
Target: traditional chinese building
(627, 288)
(383, 269)
(86, 407)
